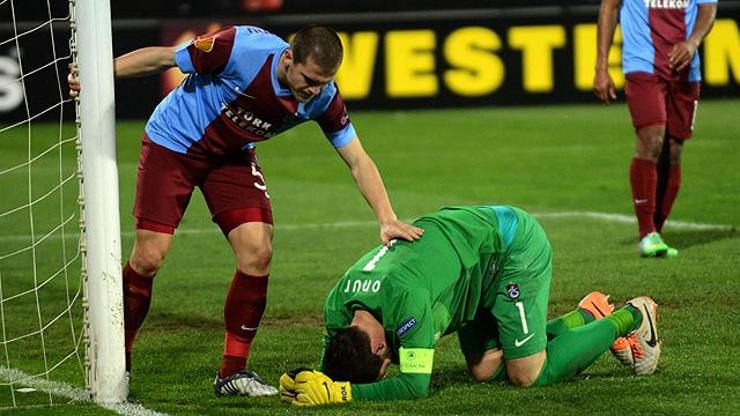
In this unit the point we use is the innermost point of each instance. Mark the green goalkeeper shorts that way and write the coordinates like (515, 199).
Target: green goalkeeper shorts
(513, 312)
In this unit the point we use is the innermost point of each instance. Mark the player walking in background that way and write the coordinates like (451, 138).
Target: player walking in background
(483, 272)
(662, 71)
(245, 85)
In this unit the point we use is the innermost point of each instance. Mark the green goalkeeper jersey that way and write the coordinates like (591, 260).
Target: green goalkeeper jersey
(423, 290)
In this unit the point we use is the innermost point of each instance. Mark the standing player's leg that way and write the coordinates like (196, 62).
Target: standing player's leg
(646, 97)
(147, 255)
(669, 179)
(165, 181)
(682, 105)
(663, 167)
(237, 197)
(247, 296)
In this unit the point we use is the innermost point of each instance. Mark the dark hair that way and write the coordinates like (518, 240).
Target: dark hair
(319, 42)
(348, 357)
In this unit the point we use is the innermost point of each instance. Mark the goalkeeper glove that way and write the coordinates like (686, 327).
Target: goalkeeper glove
(287, 384)
(312, 388)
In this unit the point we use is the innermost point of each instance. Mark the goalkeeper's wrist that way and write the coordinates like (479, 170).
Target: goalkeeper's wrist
(343, 392)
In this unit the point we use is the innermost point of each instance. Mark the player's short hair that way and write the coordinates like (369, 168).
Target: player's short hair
(348, 357)
(320, 43)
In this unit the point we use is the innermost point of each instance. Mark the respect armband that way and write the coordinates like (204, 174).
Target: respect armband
(416, 360)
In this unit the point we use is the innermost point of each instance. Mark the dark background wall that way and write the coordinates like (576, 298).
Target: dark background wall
(413, 54)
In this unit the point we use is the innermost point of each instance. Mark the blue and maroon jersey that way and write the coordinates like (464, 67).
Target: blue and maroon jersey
(232, 98)
(650, 28)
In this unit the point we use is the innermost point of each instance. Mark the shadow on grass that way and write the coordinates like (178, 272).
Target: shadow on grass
(165, 320)
(686, 239)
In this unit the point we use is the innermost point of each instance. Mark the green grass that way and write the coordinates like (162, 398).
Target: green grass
(544, 159)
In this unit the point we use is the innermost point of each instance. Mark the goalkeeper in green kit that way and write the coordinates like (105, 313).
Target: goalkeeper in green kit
(483, 272)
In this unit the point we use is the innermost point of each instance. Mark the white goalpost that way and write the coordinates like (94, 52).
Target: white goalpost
(99, 195)
(61, 300)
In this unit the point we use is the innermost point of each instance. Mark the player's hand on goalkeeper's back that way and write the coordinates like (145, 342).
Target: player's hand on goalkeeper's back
(394, 228)
(73, 81)
(305, 387)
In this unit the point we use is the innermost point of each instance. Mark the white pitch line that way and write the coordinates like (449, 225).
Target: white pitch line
(131, 409)
(601, 216)
(630, 219)
(57, 388)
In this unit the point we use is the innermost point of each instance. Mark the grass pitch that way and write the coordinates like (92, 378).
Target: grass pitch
(548, 160)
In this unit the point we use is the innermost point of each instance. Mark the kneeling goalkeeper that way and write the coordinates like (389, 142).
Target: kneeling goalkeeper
(483, 272)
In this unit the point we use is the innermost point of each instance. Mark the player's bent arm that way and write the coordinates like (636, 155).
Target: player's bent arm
(145, 61)
(371, 187)
(404, 386)
(368, 179)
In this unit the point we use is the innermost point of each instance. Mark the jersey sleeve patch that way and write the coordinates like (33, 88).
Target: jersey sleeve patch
(209, 53)
(406, 326)
(416, 360)
(205, 43)
(335, 117)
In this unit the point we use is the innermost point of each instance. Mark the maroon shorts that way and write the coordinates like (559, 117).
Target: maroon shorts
(654, 101)
(233, 186)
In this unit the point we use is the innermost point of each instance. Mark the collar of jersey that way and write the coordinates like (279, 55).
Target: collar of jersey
(279, 90)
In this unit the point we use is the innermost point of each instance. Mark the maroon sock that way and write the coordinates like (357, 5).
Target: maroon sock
(245, 304)
(137, 295)
(669, 196)
(644, 179)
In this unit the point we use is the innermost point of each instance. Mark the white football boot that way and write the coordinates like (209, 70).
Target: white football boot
(646, 346)
(244, 383)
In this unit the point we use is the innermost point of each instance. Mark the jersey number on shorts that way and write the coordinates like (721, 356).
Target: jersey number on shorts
(260, 182)
(523, 317)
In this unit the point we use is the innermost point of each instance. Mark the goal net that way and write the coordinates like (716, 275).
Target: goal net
(54, 157)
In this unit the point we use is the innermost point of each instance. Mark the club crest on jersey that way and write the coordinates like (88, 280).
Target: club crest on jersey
(406, 326)
(512, 289)
(205, 44)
